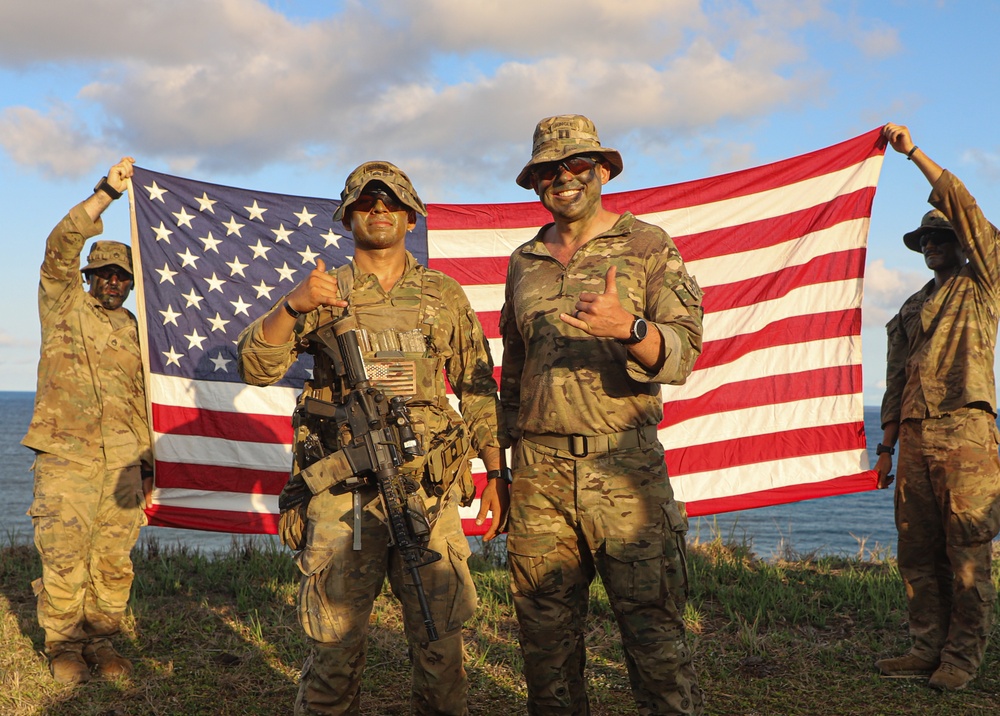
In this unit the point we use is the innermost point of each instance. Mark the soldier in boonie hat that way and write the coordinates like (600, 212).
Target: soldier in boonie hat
(391, 176)
(109, 253)
(562, 136)
(933, 222)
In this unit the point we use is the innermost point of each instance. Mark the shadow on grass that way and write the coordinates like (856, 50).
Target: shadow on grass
(199, 631)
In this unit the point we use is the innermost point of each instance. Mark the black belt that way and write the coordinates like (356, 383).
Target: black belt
(584, 445)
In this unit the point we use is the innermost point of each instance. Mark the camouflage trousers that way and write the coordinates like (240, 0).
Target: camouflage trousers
(613, 515)
(947, 513)
(338, 590)
(86, 520)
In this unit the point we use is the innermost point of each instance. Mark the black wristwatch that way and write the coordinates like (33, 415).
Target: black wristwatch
(291, 311)
(639, 330)
(503, 473)
(102, 185)
(880, 448)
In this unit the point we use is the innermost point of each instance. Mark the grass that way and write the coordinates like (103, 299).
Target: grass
(217, 634)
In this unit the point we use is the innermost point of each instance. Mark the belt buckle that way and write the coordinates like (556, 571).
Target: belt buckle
(578, 445)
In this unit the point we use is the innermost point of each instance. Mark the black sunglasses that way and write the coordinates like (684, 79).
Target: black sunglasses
(938, 238)
(106, 272)
(369, 197)
(575, 165)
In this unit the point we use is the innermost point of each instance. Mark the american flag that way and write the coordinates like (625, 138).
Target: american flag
(772, 413)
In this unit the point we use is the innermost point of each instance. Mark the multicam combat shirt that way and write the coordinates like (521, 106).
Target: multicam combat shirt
(558, 379)
(90, 403)
(941, 345)
(454, 336)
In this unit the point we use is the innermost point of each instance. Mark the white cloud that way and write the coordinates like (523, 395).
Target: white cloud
(55, 144)
(447, 88)
(886, 289)
(985, 162)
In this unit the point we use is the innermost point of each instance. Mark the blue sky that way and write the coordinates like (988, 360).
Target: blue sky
(290, 95)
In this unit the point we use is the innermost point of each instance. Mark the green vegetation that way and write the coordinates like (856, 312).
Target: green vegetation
(216, 634)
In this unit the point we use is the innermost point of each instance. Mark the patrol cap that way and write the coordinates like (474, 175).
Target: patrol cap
(563, 136)
(933, 222)
(109, 253)
(390, 175)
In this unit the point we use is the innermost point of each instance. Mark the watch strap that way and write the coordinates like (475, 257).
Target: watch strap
(505, 473)
(104, 186)
(633, 335)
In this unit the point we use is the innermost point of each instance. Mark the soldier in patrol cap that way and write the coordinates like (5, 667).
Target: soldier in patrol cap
(940, 404)
(417, 326)
(599, 312)
(91, 440)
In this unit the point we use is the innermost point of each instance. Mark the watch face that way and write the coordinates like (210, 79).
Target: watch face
(639, 329)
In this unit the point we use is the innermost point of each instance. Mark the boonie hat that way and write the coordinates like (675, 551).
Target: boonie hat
(933, 222)
(109, 253)
(390, 175)
(563, 136)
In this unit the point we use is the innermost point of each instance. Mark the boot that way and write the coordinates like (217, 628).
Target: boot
(68, 667)
(907, 666)
(949, 677)
(107, 662)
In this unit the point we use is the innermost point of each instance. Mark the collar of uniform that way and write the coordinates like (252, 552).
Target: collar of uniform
(361, 277)
(622, 227)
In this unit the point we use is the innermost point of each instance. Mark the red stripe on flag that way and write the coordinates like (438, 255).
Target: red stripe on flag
(212, 520)
(845, 485)
(249, 427)
(783, 388)
(480, 271)
(219, 478)
(822, 269)
(765, 448)
(776, 230)
(785, 332)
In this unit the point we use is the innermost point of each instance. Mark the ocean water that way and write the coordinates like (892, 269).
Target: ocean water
(843, 525)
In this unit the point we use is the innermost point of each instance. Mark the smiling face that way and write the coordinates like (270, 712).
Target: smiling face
(570, 197)
(378, 220)
(941, 251)
(110, 285)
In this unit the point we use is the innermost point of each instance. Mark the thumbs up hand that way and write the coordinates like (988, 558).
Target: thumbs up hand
(601, 314)
(317, 289)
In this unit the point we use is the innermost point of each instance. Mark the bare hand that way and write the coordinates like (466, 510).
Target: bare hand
(119, 174)
(317, 289)
(899, 137)
(495, 499)
(147, 491)
(882, 468)
(601, 314)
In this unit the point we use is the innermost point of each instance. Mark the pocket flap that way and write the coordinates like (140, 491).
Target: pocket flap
(632, 551)
(531, 545)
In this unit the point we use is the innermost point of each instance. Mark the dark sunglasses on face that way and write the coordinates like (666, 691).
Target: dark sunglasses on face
(106, 272)
(369, 197)
(938, 238)
(574, 165)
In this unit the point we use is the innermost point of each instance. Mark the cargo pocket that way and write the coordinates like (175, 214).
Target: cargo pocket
(976, 525)
(634, 570)
(675, 551)
(535, 568)
(463, 600)
(321, 617)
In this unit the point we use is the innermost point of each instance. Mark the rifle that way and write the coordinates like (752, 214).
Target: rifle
(372, 436)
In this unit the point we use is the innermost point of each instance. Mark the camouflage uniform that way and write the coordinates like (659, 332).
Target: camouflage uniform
(602, 502)
(940, 389)
(340, 584)
(89, 431)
